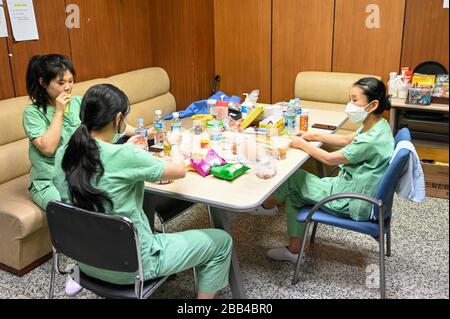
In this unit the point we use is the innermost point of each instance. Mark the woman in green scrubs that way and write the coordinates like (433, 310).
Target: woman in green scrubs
(94, 174)
(51, 120)
(363, 159)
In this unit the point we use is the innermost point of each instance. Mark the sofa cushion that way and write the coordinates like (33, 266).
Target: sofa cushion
(328, 87)
(18, 214)
(14, 160)
(11, 130)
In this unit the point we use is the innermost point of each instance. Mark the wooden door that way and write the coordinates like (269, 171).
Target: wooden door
(426, 33)
(361, 45)
(6, 81)
(183, 44)
(302, 41)
(53, 38)
(243, 41)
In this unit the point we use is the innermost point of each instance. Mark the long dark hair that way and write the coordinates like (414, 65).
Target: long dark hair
(374, 89)
(81, 162)
(47, 67)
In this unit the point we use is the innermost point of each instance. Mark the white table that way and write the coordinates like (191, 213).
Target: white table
(243, 194)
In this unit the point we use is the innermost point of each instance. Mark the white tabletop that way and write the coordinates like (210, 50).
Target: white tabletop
(247, 191)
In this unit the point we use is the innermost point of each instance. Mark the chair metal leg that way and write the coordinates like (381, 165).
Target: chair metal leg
(52, 275)
(313, 235)
(321, 169)
(300, 256)
(388, 244)
(194, 271)
(382, 263)
(210, 219)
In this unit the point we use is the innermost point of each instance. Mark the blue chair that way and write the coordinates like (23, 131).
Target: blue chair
(380, 222)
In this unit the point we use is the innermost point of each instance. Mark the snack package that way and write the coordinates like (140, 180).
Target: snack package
(229, 172)
(203, 166)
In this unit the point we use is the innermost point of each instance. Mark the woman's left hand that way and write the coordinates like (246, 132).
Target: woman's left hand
(138, 140)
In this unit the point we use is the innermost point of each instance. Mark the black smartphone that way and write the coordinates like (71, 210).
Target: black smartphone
(324, 126)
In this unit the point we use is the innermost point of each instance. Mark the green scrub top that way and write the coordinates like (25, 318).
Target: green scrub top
(369, 155)
(36, 124)
(126, 168)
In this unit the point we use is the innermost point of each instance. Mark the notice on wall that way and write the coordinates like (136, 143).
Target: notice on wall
(23, 20)
(446, 3)
(3, 29)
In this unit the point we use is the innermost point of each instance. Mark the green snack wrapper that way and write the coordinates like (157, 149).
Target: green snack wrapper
(229, 172)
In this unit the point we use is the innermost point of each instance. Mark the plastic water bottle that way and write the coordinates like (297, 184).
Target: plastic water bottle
(176, 122)
(141, 130)
(158, 127)
(290, 119)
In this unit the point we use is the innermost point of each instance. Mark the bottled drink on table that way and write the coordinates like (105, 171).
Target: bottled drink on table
(304, 121)
(290, 119)
(176, 122)
(141, 131)
(158, 127)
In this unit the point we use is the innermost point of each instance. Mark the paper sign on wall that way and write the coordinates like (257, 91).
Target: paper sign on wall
(3, 29)
(446, 3)
(23, 20)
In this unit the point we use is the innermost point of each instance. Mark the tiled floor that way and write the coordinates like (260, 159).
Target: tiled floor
(338, 264)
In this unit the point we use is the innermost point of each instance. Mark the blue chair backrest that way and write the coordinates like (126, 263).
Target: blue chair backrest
(388, 183)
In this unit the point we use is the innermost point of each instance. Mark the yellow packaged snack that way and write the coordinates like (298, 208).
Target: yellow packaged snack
(420, 80)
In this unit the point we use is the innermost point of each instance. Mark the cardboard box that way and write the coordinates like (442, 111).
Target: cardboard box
(436, 180)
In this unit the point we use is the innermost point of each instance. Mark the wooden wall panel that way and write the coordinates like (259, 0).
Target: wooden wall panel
(426, 33)
(53, 38)
(114, 37)
(183, 37)
(243, 43)
(6, 82)
(358, 49)
(302, 41)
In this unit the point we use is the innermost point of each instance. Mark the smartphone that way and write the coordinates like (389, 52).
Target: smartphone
(324, 126)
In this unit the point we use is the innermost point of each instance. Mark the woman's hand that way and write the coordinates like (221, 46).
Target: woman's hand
(139, 141)
(150, 133)
(62, 101)
(298, 142)
(174, 138)
(307, 136)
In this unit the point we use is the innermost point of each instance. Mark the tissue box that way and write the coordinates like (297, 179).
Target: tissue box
(273, 123)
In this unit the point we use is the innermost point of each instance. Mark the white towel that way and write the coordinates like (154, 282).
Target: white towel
(411, 185)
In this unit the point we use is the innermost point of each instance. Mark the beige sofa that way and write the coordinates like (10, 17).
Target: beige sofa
(326, 91)
(24, 238)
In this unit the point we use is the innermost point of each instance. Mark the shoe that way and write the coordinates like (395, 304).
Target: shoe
(283, 254)
(261, 211)
(72, 287)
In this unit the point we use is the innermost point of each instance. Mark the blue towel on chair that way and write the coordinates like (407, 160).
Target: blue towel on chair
(201, 107)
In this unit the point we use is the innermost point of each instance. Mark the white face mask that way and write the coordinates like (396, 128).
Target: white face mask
(356, 113)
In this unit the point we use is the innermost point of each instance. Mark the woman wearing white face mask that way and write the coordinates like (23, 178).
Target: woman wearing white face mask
(363, 159)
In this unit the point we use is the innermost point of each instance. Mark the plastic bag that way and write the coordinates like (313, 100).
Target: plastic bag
(203, 166)
(229, 172)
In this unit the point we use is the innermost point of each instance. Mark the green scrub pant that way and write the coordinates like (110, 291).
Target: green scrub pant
(302, 189)
(209, 250)
(44, 196)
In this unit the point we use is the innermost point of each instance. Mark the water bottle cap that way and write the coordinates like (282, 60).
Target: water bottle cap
(140, 121)
(158, 112)
(176, 114)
